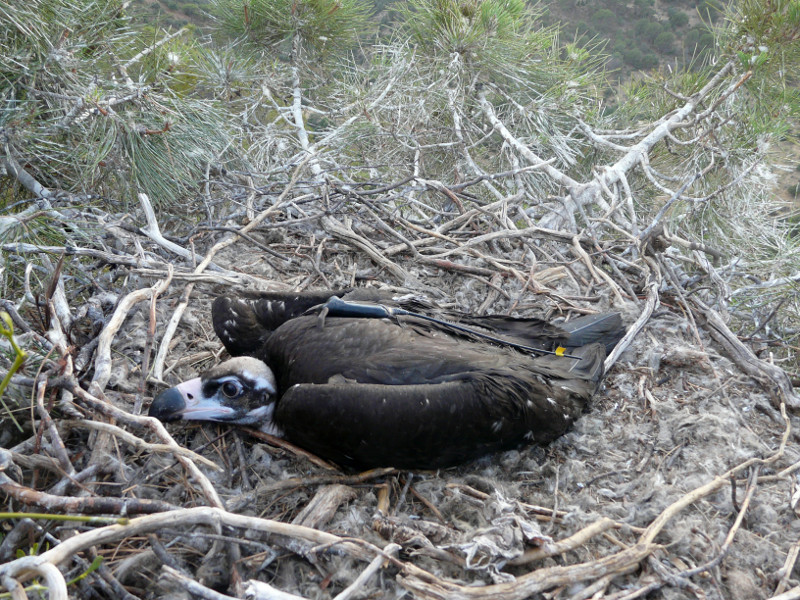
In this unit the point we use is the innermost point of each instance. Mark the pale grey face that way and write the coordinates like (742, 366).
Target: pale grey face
(240, 391)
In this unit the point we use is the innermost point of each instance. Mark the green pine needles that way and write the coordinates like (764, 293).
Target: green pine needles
(318, 27)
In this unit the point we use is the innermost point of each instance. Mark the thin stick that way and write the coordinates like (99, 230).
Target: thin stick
(158, 364)
(647, 310)
(102, 365)
(786, 570)
(366, 574)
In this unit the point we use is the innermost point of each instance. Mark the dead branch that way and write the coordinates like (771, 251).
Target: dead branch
(574, 541)
(344, 232)
(22, 568)
(650, 305)
(153, 231)
(158, 429)
(773, 379)
(390, 550)
(68, 504)
(785, 571)
(139, 443)
(102, 366)
(191, 586)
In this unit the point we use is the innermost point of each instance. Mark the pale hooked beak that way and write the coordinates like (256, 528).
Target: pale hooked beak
(186, 401)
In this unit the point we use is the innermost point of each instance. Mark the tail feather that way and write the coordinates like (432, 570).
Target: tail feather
(589, 367)
(606, 329)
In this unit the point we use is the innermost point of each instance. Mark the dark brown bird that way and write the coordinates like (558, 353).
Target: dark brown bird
(365, 379)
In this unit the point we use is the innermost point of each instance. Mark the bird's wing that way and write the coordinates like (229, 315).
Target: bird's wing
(424, 407)
(244, 321)
(309, 350)
(435, 425)
(406, 426)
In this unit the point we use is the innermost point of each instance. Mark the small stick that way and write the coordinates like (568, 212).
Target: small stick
(154, 232)
(572, 542)
(792, 594)
(194, 588)
(102, 363)
(260, 590)
(158, 365)
(788, 566)
(148, 345)
(209, 491)
(598, 274)
(72, 504)
(169, 333)
(139, 443)
(650, 305)
(286, 445)
(299, 482)
(429, 505)
(52, 431)
(366, 574)
(344, 232)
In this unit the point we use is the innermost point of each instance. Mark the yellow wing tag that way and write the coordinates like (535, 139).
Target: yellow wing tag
(560, 351)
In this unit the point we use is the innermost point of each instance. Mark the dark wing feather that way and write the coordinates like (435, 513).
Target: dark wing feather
(604, 328)
(365, 425)
(527, 331)
(304, 350)
(432, 425)
(243, 322)
(370, 392)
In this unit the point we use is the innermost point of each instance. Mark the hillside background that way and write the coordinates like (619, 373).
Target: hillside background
(635, 37)
(643, 34)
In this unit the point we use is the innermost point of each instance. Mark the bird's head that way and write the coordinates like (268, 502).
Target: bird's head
(240, 391)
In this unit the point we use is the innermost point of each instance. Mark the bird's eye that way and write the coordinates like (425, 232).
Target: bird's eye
(231, 389)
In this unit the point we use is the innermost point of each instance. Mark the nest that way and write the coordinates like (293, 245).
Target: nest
(679, 481)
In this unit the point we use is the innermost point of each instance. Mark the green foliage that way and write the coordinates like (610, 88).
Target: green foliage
(95, 564)
(643, 8)
(706, 41)
(29, 31)
(691, 38)
(191, 9)
(466, 26)
(664, 42)
(605, 19)
(583, 29)
(86, 127)
(495, 40)
(647, 30)
(168, 142)
(313, 26)
(636, 26)
(223, 71)
(768, 22)
(677, 18)
(640, 60)
(758, 40)
(7, 331)
(765, 35)
(710, 10)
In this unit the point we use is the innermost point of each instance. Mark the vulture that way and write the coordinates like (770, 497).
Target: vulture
(366, 379)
